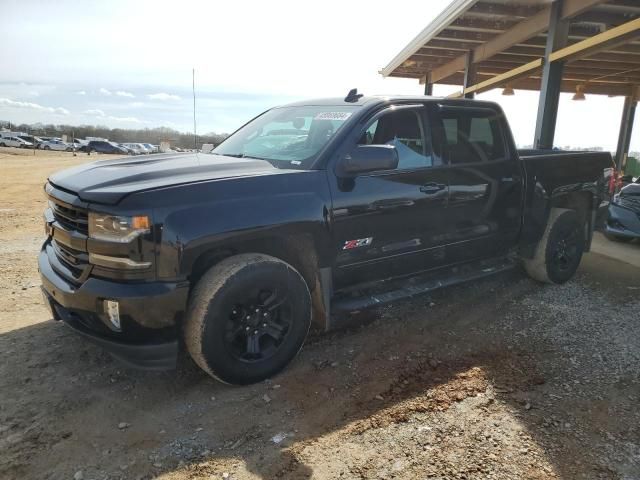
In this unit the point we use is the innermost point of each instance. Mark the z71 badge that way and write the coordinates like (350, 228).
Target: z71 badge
(357, 243)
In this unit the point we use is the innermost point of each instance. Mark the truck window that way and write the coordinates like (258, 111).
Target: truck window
(472, 136)
(404, 130)
(287, 137)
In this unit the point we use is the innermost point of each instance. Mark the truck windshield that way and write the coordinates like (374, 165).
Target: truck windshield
(287, 137)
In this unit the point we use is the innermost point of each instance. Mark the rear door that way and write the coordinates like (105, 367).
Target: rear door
(485, 181)
(389, 223)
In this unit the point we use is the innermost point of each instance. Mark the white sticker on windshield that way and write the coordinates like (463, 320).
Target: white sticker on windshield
(340, 116)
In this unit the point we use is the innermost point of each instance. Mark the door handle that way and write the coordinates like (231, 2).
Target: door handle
(432, 188)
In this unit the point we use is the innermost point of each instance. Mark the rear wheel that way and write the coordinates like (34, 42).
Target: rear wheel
(2, 144)
(47, 147)
(248, 317)
(560, 249)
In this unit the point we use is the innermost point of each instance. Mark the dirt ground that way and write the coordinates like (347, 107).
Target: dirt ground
(503, 378)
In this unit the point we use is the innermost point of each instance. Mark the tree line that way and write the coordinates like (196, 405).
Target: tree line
(120, 135)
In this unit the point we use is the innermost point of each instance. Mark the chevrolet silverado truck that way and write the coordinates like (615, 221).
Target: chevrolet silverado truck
(308, 210)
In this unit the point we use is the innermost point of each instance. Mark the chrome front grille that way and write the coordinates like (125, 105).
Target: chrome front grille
(68, 246)
(71, 218)
(74, 260)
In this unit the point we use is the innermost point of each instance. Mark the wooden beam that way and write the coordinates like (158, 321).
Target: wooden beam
(454, 35)
(437, 53)
(482, 24)
(444, 71)
(523, 30)
(602, 64)
(567, 86)
(449, 45)
(521, 71)
(501, 9)
(582, 74)
(516, 34)
(571, 8)
(603, 18)
(598, 42)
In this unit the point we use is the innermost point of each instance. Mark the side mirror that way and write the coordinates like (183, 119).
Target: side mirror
(370, 158)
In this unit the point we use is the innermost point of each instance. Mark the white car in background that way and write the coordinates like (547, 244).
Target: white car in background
(138, 148)
(151, 148)
(14, 142)
(55, 144)
(78, 144)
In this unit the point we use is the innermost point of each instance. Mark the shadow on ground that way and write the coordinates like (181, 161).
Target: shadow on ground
(478, 353)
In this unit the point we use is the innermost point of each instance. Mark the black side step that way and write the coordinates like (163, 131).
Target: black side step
(385, 291)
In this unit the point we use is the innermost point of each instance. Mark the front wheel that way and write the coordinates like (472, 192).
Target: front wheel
(248, 317)
(2, 144)
(47, 147)
(560, 249)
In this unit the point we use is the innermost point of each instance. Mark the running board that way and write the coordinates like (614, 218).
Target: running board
(382, 292)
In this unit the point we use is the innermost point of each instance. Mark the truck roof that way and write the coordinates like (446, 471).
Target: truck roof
(372, 100)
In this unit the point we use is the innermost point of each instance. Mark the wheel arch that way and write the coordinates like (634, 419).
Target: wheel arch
(298, 250)
(581, 198)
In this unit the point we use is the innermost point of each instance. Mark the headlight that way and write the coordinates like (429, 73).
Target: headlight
(116, 228)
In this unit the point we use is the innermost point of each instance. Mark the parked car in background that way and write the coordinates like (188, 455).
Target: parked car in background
(32, 139)
(42, 140)
(103, 146)
(137, 148)
(14, 142)
(130, 151)
(151, 148)
(78, 144)
(56, 144)
(623, 215)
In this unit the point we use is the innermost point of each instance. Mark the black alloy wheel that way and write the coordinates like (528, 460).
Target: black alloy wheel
(566, 243)
(248, 317)
(257, 328)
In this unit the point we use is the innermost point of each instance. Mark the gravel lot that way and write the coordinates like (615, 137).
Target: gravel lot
(502, 378)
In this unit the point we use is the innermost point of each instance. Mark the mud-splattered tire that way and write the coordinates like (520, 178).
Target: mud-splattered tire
(560, 249)
(248, 317)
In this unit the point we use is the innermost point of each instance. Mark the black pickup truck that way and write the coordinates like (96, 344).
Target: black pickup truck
(308, 210)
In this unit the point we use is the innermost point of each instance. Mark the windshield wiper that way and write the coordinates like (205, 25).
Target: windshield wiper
(242, 155)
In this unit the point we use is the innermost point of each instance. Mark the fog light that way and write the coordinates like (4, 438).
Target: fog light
(113, 312)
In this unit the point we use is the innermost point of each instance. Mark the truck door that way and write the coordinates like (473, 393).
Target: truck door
(485, 182)
(388, 223)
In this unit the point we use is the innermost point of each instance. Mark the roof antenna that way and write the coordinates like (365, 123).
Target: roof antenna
(193, 80)
(353, 96)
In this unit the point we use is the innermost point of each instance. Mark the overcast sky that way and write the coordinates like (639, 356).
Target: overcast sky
(128, 64)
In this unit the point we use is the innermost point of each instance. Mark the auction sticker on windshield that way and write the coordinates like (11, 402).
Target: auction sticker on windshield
(341, 116)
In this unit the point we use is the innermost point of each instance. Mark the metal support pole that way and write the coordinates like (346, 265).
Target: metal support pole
(469, 73)
(428, 85)
(551, 80)
(626, 127)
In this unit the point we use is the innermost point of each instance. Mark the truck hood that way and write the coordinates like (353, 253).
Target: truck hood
(109, 181)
